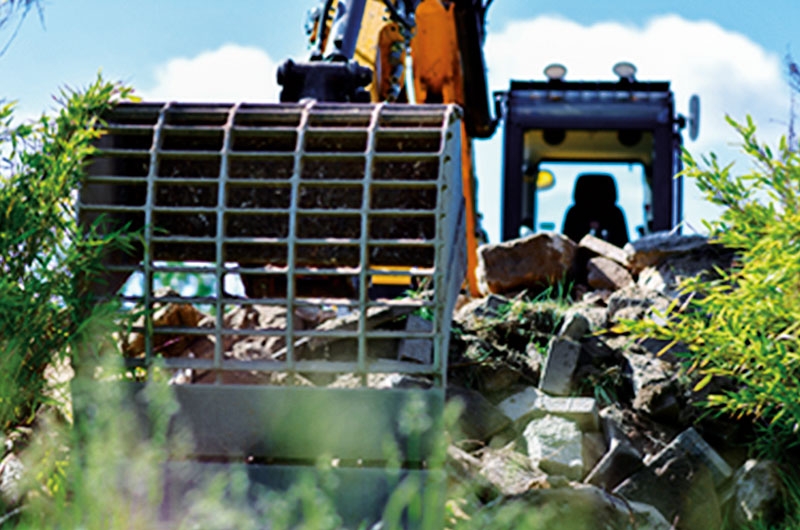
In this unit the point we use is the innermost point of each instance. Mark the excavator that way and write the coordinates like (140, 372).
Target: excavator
(360, 179)
(430, 51)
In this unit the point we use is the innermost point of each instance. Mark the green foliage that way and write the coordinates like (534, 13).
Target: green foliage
(741, 330)
(44, 257)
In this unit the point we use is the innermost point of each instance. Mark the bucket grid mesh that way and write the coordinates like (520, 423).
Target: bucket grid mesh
(313, 207)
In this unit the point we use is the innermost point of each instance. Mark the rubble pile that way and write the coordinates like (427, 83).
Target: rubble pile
(592, 427)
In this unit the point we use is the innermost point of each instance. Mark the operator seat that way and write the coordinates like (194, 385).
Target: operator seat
(595, 210)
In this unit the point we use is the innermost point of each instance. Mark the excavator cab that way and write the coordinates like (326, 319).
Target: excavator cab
(554, 126)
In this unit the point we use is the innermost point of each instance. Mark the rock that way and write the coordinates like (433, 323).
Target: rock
(555, 445)
(653, 387)
(510, 471)
(11, 472)
(461, 464)
(758, 493)
(681, 481)
(532, 403)
(560, 364)
(575, 326)
(542, 258)
(618, 463)
(479, 419)
(419, 350)
(690, 444)
(665, 277)
(653, 248)
(521, 403)
(579, 507)
(581, 410)
(603, 248)
(606, 274)
(594, 447)
(634, 303)
(405, 381)
(646, 517)
(488, 307)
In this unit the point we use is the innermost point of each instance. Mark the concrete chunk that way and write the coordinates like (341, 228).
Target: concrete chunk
(606, 274)
(603, 248)
(562, 359)
(555, 445)
(692, 445)
(542, 258)
(575, 326)
(581, 410)
(419, 350)
(521, 403)
(618, 463)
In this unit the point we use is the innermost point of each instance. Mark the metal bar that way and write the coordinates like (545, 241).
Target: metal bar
(292, 240)
(219, 262)
(364, 259)
(148, 227)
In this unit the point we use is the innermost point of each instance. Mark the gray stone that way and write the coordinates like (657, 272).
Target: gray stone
(602, 273)
(575, 326)
(646, 517)
(560, 364)
(581, 410)
(542, 258)
(758, 493)
(681, 481)
(634, 303)
(487, 307)
(419, 350)
(654, 390)
(479, 419)
(510, 471)
(577, 507)
(653, 248)
(681, 490)
(618, 463)
(11, 472)
(603, 248)
(521, 403)
(533, 403)
(594, 447)
(690, 444)
(555, 445)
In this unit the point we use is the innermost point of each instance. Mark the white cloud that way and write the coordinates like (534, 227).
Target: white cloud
(731, 74)
(227, 74)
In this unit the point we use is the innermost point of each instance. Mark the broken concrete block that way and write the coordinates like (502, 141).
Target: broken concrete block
(618, 463)
(555, 445)
(576, 507)
(562, 359)
(633, 302)
(594, 447)
(758, 493)
(510, 471)
(603, 248)
(419, 350)
(606, 274)
(521, 403)
(479, 419)
(533, 403)
(542, 258)
(575, 326)
(488, 307)
(646, 517)
(581, 410)
(681, 481)
(653, 248)
(680, 489)
(692, 445)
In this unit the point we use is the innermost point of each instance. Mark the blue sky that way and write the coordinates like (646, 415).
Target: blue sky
(729, 52)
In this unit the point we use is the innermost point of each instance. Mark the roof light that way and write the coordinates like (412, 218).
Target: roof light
(625, 70)
(555, 72)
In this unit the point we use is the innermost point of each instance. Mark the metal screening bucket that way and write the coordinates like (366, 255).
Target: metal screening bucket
(314, 207)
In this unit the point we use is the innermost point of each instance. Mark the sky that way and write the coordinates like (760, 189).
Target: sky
(729, 52)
